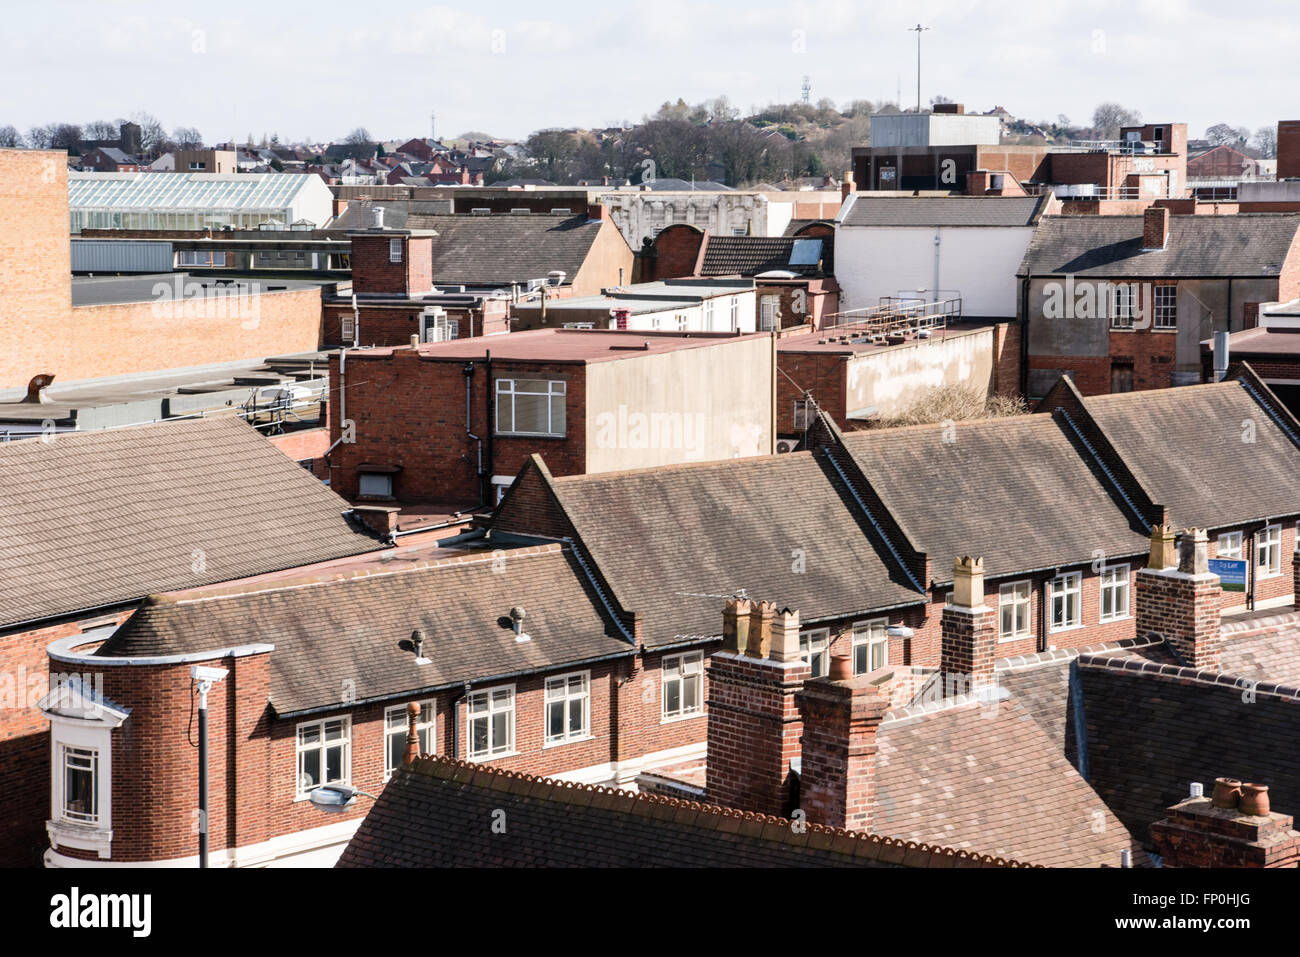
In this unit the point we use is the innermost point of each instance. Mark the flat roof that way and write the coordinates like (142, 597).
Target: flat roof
(564, 345)
(116, 290)
(825, 343)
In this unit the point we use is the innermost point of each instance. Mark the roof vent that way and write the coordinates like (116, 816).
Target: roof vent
(517, 623)
(379, 217)
(417, 643)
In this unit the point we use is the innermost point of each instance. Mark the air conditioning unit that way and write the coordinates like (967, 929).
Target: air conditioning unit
(786, 445)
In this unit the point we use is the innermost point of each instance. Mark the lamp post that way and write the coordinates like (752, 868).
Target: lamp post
(918, 30)
(205, 677)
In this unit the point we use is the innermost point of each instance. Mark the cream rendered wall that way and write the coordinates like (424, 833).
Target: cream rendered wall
(891, 379)
(691, 405)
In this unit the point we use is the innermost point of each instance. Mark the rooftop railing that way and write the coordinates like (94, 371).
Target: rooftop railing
(894, 316)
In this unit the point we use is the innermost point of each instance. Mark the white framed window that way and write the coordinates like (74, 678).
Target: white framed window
(579, 325)
(394, 250)
(530, 407)
(1268, 552)
(814, 648)
(708, 315)
(395, 734)
(683, 685)
(568, 708)
(769, 313)
(324, 753)
(870, 645)
(803, 414)
(1123, 304)
(205, 258)
(1067, 593)
(1013, 611)
(735, 313)
(1165, 307)
(79, 786)
(375, 484)
(1114, 592)
(491, 726)
(1229, 546)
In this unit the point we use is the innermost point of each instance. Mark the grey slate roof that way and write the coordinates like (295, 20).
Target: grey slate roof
(870, 210)
(431, 815)
(396, 212)
(99, 518)
(944, 777)
(1246, 244)
(501, 249)
(326, 632)
(751, 255)
(1186, 447)
(686, 536)
(1014, 490)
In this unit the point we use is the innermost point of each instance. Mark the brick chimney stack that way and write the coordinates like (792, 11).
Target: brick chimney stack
(841, 717)
(968, 631)
(1181, 603)
(1155, 228)
(754, 725)
(1235, 828)
(847, 185)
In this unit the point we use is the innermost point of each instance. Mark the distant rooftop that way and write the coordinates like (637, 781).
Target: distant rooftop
(563, 345)
(113, 290)
(184, 191)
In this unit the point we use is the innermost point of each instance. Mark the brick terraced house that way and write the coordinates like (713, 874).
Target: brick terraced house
(1120, 303)
(95, 521)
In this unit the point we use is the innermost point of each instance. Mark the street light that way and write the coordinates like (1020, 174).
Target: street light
(336, 797)
(205, 676)
(918, 30)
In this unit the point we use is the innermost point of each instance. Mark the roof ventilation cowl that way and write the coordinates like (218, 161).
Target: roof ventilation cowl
(517, 623)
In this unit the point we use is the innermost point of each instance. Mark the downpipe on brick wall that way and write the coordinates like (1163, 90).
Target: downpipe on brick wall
(468, 371)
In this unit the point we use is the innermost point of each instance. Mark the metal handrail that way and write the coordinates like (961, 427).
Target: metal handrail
(895, 315)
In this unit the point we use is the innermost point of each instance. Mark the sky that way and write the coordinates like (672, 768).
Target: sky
(314, 71)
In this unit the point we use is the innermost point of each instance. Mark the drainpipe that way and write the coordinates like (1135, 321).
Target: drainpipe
(938, 242)
(1024, 337)
(468, 372)
(491, 425)
(455, 720)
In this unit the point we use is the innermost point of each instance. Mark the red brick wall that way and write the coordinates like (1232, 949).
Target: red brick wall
(396, 397)
(305, 444)
(820, 373)
(678, 249)
(394, 325)
(1288, 149)
(1006, 358)
(373, 271)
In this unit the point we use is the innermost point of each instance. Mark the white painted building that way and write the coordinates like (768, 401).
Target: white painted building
(935, 248)
(672, 305)
(643, 213)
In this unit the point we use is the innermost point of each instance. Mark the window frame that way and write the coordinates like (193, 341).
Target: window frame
(94, 818)
(1168, 310)
(394, 250)
(1232, 552)
(769, 313)
(373, 476)
(690, 667)
(511, 722)
(566, 697)
(809, 652)
(1119, 583)
(1263, 546)
(864, 639)
(1016, 634)
(302, 793)
(1070, 583)
(506, 388)
(428, 722)
(1122, 318)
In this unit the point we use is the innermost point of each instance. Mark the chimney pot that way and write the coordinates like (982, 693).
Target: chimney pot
(1193, 555)
(759, 641)
(785, 636)
(968, 582)
(735, 625)
(412, 736)
(841, 668)
(1162, 548)
(1227, 793)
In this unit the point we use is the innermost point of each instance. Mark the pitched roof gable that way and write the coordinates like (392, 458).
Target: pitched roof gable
(100, 518)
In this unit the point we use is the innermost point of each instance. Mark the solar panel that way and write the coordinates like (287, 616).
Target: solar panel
(806, 252)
